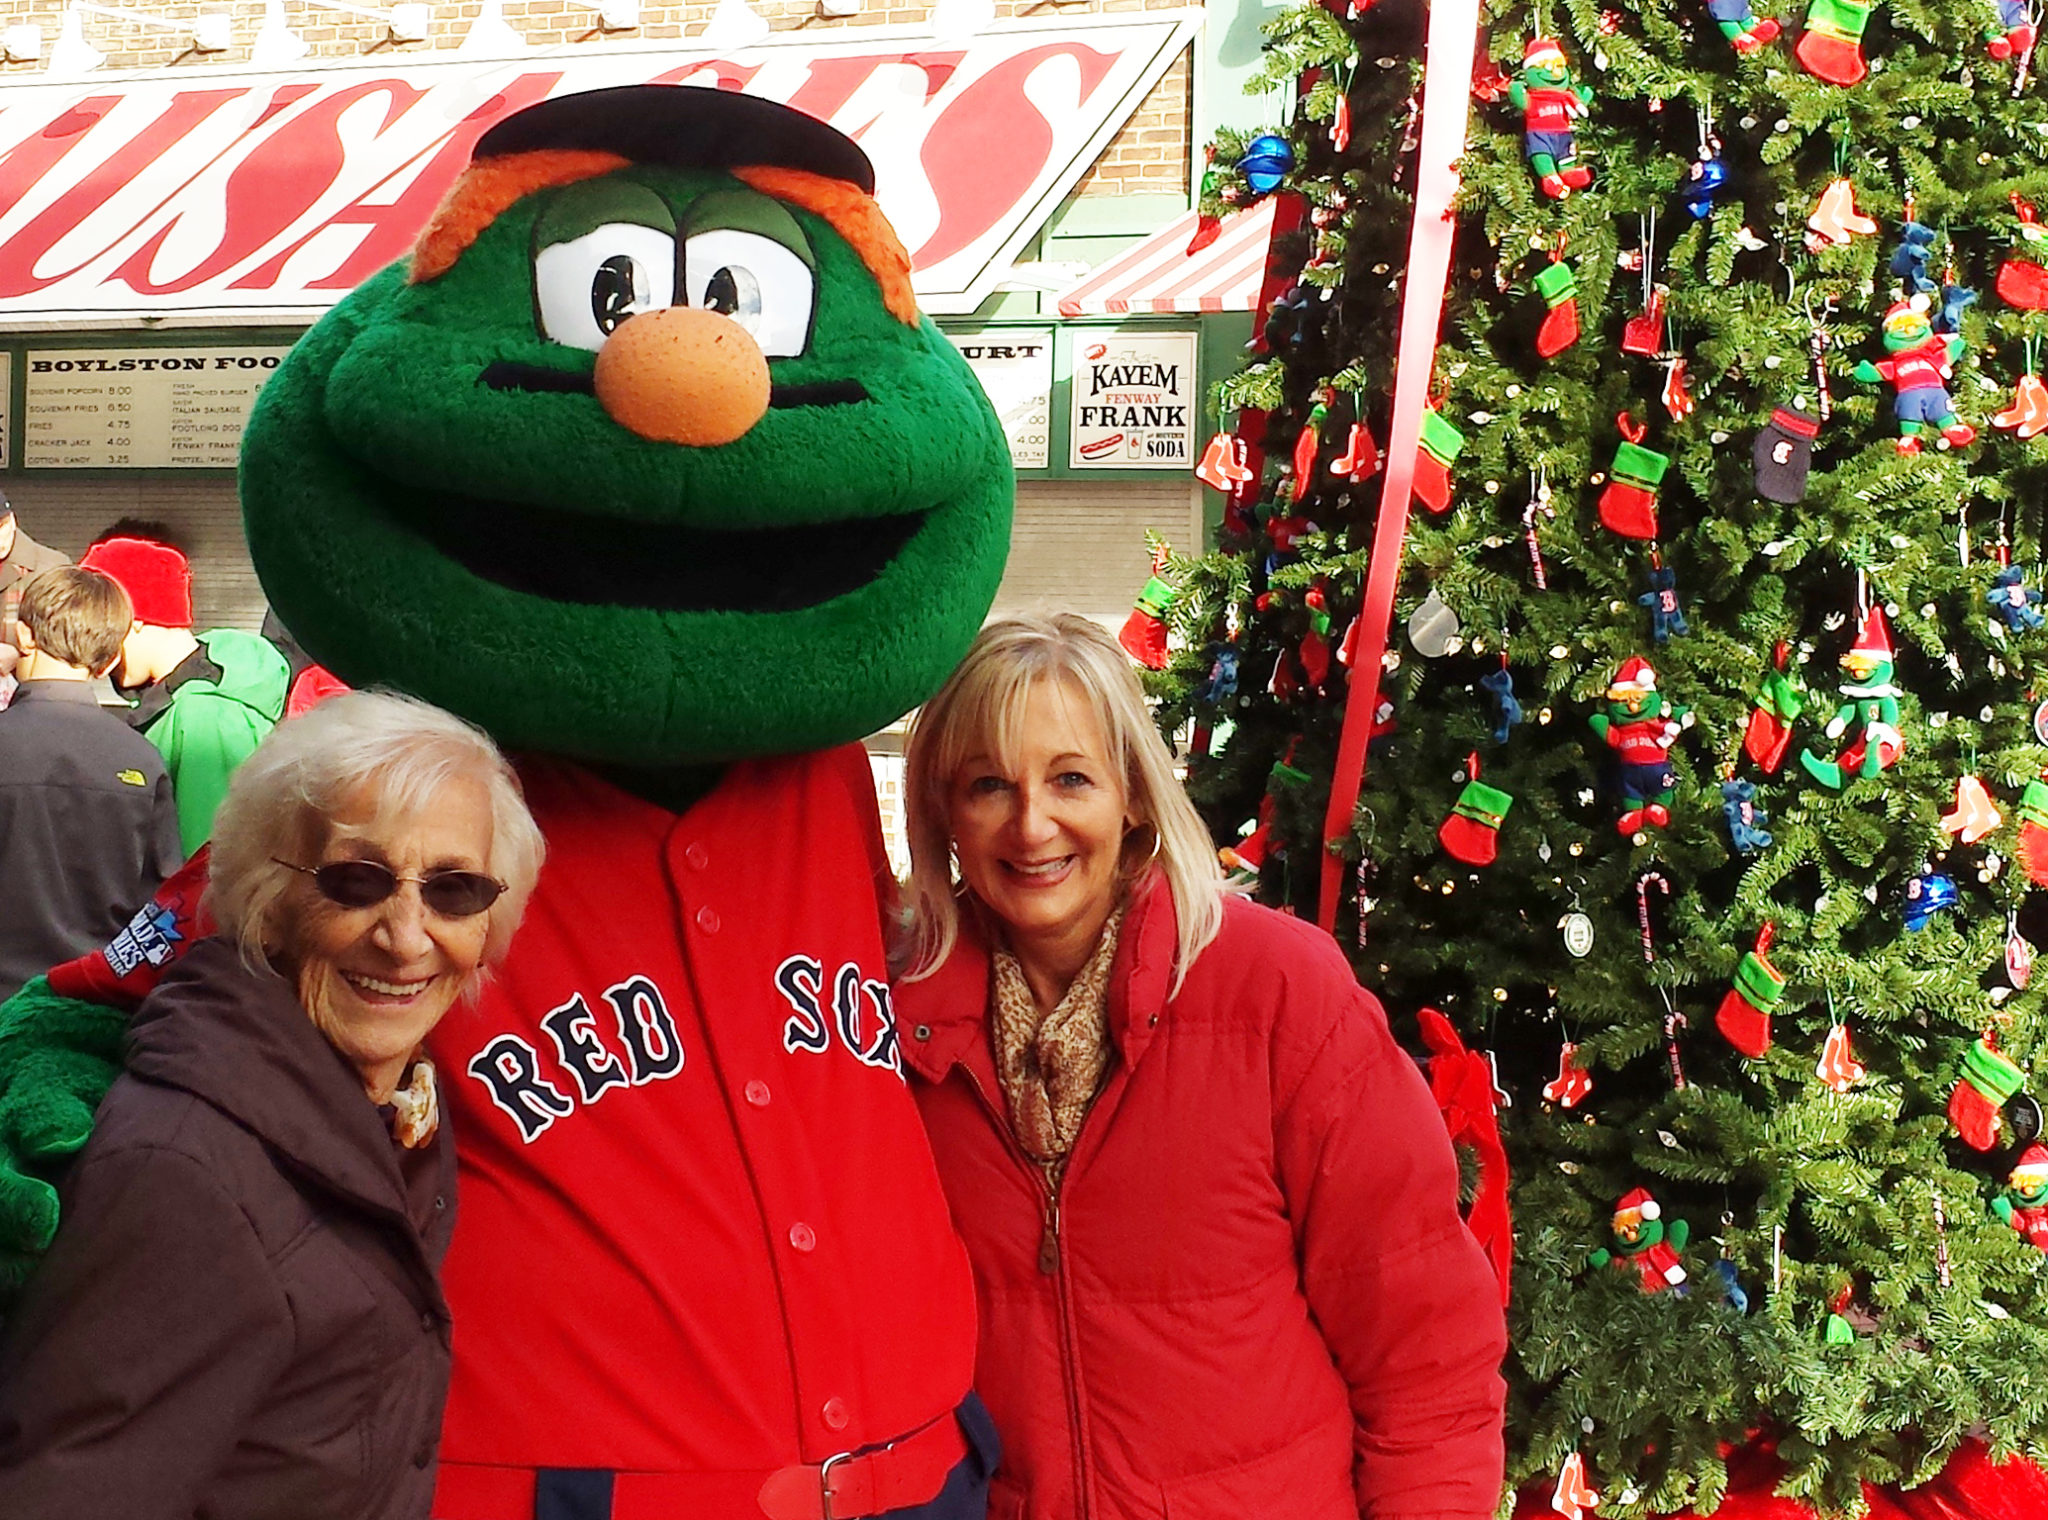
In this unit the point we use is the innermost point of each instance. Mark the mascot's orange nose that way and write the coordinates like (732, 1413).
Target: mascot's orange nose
(683, 375)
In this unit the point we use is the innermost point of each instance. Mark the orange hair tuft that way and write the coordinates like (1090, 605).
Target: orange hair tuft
(484, 191)
(855, 217)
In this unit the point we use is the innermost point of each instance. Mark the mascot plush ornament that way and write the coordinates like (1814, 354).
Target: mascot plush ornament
(1643, 1243)
(1640, 726)
(646, 462)
(1919, 366)
(2024, 1203)
(1871, 702)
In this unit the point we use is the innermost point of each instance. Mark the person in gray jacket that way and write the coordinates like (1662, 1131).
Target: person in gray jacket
(241, 1316)
(88, 824)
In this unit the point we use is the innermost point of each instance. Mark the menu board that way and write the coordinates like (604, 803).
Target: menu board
(1014, 365)
(127, 408)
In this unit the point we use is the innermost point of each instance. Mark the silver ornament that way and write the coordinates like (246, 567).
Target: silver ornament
(1433, 627)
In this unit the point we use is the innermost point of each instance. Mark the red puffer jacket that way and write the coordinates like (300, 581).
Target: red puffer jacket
(1252, 1297)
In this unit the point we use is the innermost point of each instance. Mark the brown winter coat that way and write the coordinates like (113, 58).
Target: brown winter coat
(240, 1316)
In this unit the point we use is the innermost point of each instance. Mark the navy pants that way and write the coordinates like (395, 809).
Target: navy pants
(585, 1493)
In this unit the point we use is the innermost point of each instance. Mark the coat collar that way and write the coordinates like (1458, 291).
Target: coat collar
(239, 1040)
(946, 1013)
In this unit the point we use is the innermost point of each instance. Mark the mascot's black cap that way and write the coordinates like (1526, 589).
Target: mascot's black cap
(685, 127)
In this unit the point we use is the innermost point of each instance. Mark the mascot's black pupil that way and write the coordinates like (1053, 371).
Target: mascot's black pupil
(723, 293)
(611, 291)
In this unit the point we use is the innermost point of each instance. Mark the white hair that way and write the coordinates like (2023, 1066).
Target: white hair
(980, 710)
(403, 752)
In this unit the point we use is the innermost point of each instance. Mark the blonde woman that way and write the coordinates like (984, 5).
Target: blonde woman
(1210, 1205)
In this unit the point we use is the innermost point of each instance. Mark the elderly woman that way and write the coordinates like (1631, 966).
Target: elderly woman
(1210, 1205)
(241, 1315)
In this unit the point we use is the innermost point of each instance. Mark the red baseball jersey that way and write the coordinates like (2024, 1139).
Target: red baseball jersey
(701, 1231)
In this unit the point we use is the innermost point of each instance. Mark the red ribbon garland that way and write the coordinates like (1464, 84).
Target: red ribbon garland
(1446, 109)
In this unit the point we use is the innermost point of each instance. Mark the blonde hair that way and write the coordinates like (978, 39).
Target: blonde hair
(980, 710)
(283, 798)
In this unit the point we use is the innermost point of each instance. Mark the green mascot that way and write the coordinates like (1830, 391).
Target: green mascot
(646, 462)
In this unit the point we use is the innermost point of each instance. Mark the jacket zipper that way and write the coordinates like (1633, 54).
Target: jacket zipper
(1049, 1264)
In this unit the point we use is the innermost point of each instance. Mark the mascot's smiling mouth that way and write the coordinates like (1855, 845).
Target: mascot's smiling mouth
(575, 557)
(511, 375)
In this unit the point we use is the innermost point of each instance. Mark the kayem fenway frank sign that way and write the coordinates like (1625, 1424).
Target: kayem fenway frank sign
(264, 196)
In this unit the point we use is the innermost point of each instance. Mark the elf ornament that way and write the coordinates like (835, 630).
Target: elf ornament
(1744, 1017)
(1783, 453)
(1982, 1087)
(1550, 104)
(1831, 47)
(2024, 1203)
(1644, 1243)
(1919, 367)
(1628, 505)
(1741, 26)
(1640, 726)
(1872, 704)
(1778, 705)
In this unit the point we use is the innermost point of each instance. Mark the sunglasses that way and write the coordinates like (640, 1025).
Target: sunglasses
(365, 883)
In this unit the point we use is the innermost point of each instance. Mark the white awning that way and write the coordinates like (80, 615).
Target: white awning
(1160, 275)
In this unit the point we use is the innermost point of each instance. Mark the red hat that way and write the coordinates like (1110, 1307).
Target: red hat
(157, 578)
(1905, 314)
(1542, 51)
(1635, 675)
(2031, 1168)
(1874, 638)
(1637, 1201)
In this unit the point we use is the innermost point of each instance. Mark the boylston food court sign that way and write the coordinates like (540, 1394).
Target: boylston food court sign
(262, 196)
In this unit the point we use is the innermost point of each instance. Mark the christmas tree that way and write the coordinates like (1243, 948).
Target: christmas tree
(1705, 798)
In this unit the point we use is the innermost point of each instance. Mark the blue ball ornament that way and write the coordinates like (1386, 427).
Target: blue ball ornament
(1267, 161)
(1927, 894)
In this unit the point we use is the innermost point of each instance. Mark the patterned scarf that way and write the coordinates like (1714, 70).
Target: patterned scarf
(1052, 1066)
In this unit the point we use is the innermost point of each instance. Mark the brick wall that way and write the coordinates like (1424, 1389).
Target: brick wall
(1150, 154)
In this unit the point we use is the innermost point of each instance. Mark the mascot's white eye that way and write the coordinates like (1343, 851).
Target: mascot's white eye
(756, 281)
(588, 286)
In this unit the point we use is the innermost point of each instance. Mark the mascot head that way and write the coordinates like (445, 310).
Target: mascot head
(645, 456)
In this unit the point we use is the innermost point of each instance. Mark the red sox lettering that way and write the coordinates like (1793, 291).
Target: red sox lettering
(648, 1047)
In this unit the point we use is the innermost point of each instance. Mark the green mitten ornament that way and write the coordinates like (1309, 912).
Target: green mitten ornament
(1744, 1017)
(1472, 832)
(1831, 47)
(1440, 445)
(58, 1057)
(1986, 1081)
(1629, 504)
(1559, 288)
(2034, 832)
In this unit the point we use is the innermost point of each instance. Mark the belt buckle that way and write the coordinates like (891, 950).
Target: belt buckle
(825, 1483)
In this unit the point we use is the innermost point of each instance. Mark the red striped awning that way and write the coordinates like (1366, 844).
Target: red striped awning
(1160, 275)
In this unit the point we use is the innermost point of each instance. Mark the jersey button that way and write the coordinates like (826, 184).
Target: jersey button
(837, 1415)
(757, 1094)
(696, 855)
(804, 1238)
(707, 920)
